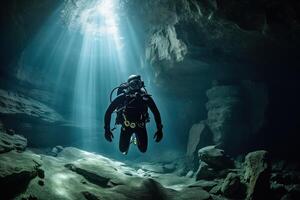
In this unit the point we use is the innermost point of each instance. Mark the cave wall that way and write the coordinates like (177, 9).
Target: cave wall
(20, 20)
(220, 40)
(189, 44)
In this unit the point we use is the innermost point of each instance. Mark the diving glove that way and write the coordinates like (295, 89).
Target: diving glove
(158, 135)
(108, 135)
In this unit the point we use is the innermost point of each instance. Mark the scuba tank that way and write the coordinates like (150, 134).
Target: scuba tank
(120, 90)
(124, 89)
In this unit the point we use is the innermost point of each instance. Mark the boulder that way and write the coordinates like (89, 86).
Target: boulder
(257, 174)
(215, 158)
(232, 186)
(216, 190)
(77, 174)
(16, 171)
(205, 172)
(56, 150)
(9, 142)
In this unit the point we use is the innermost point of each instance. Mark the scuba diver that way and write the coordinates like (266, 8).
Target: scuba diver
(131, 106)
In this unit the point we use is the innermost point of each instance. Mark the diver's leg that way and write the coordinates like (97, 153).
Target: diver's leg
(125, 139)
(142, 139)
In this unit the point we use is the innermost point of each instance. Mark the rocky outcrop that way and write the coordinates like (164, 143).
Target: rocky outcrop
(221, 40)
(39, 123)
(205, 172)
(254, 178)
(71, 173)
(77, 174)
(257, 174)
(199, 136)
(213, 163)
(232, 186)
(235, 113)
(16, 172)
(11, 141)
(15, 104)
(164, 46)
(21, 22)
(215, 157)
(285, 180)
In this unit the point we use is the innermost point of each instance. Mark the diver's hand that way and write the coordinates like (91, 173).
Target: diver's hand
(158, 135)
(108, 135)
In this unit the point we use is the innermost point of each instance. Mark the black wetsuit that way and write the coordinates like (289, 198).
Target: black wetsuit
(135, 110)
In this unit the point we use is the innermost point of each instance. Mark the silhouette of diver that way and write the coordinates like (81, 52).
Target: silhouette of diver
(131, 106)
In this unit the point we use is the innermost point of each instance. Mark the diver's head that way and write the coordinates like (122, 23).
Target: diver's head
(134, 83)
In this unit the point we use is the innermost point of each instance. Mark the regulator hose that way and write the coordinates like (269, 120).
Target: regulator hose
(111, 93)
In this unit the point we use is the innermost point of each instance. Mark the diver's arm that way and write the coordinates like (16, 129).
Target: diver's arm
(114, 104)
(155, 111)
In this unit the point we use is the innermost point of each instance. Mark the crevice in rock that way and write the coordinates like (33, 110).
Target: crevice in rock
(14, 184)
(92, 177)
(89, 196)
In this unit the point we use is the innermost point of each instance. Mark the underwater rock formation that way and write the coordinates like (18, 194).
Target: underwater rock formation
(249, 179)
(215, 157)
(17, 169)
(213, 163)
(14, 104)
(257, 174)
(232, 39)
(39, 123)
(76, 174)
(20, 21)
(199, 136)
(10, 141)
(235, 114)
(183, 46)
(164, 45)
(226, 115)
(232, 186)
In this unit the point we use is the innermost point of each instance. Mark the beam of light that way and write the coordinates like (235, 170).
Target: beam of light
(101, 66)
(100, 20)
(88, 58)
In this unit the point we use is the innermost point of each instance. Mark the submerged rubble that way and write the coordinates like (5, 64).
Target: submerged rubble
(72, 173)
